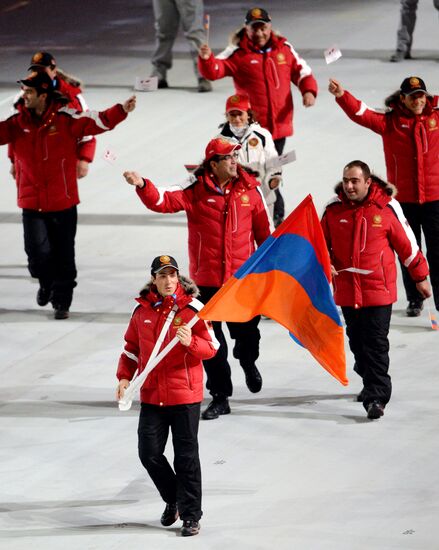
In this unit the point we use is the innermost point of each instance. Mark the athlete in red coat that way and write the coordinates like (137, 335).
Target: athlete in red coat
(263, 65)
(45, 135)
(226, 215)
(70, 88)
(410, 134)
(173, 390)
(363, 227)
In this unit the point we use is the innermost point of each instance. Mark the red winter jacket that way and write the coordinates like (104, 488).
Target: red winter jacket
(222, 227)
(45, 152)
(70, 89)
(411, 146)
(265, 76)
(178, 378)
(366, 235)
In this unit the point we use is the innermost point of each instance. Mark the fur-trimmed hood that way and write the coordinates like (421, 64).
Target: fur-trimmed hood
(187, 286)
(72, 80)
(380, 193)
(393, 102)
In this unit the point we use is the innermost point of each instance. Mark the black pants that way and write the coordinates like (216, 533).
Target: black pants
(184, 485)
(246, 349)
(49, 242)
(367, 329)
(279, 205)
(424, 218)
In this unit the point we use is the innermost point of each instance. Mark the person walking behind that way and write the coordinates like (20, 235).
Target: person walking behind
(404, 35)
(363, 227)
(258, 151)
(263, 64)
(168, 14)
(410, 133)
(45, 134)
(70, 87)
(172, 392)
(226, 216)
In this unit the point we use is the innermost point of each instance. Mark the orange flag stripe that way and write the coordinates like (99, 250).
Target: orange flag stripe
(257, 294)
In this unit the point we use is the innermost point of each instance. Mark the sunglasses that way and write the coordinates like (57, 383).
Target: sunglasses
(234, 155)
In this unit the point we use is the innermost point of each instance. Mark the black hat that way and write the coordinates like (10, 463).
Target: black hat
(413, 84)
(41, 60)
(162, 262)
(41, 81)
(257, 15)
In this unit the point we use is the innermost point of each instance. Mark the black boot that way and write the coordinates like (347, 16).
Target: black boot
(170, 515)
(218, 406)
(43, 296)
(375, 410)
(414, 308)
(190, 528)
(253, 378)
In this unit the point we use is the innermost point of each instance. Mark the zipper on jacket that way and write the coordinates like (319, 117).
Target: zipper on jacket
(199, 252)
(384, 271)
(64, 177)
(275, 75)
(188, 377)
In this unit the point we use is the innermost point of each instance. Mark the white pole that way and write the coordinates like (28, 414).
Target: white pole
(127, 399)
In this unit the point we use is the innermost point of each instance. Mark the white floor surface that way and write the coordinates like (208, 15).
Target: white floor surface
(297, 466)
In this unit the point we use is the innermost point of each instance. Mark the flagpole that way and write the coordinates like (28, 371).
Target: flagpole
(126, 401)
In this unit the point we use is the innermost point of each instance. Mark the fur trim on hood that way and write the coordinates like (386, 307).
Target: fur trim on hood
(72, 80)
(187, 285)
(388, 188)
(393, 100)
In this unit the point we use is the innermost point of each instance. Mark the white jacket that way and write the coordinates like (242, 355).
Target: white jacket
(257, 150)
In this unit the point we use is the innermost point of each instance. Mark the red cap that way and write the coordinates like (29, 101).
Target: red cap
(238, 102)
(220, 146)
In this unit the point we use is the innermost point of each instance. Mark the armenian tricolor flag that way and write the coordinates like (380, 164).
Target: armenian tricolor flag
(287, 279)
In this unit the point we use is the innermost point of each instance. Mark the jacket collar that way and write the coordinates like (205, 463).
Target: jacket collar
(275, 42)
(243, 178)
(377, 195)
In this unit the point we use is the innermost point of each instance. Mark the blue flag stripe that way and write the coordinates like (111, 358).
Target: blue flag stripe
(294, 255)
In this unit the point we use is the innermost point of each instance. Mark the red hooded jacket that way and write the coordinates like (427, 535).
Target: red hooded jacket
(411, 145)
(365, 235)
(45, 152)
(178, 378)
(222, 226)
(265, 76)
(70, 89)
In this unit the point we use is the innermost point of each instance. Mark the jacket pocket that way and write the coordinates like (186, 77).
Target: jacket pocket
(188, 372)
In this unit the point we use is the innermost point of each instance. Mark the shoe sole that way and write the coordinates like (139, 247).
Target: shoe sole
(215, 417)
(189, 533)
(169, 524)
(375, 415)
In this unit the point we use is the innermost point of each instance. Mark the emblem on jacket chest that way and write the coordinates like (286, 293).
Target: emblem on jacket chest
(377, 221)
(432, 123)
(178, 321)
(281, 59)
(253, 142)
(245, 200)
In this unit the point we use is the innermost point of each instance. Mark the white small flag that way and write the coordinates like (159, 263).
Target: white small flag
(109, 156)
(286, 158)
(149, 84)
(357, 270)
(332, 54)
